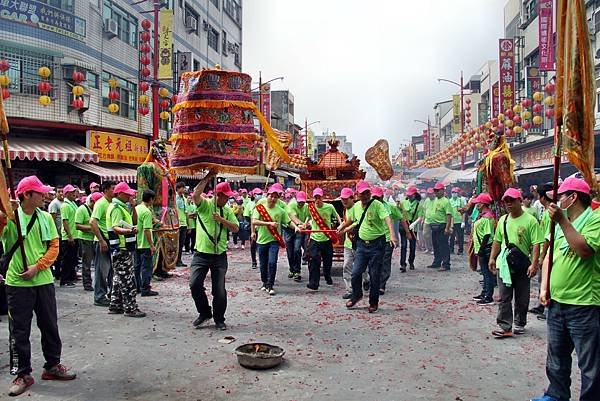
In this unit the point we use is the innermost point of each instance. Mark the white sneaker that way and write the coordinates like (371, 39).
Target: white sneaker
(237, 247)
(271, 291)
(243, 247)
(263, 288)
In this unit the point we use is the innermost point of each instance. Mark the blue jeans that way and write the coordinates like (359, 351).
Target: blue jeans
(386, 266)
(488, 277)
(142, 270)
(412, 246)
(369, 255)
(267, 259)
(217, 264)
(294, 242)
(573, 327)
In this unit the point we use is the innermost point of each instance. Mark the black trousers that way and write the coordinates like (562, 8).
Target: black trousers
(22, 302)
(412, 246)
(69, 263)
(217, 264)
(182, 239)
(319, 252)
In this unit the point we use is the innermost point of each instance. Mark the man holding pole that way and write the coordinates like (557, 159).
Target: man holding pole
(298, 212)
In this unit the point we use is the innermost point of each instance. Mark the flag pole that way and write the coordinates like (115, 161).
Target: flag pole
(4, 129)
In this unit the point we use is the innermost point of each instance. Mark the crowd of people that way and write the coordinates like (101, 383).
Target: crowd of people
(108, 233)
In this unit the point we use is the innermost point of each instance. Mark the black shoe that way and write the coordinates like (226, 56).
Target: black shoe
(221, 326)
(254, 266)
(68, 284)
(381, 291)
(433, 267)
(149, 293)
(403, 270)
(485, 301)
(201, 320)
(412, 266)
(116, 311)
(102, 302)
(538, 310)
(366, 286)
(347, 295)
(312, 287)
(478, 297)
(329, 281)
(297, 277)
(291, 275)
(88, 288)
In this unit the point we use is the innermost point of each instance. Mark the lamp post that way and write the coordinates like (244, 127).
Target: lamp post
(429, 136)
(462, 117)
(306, 125)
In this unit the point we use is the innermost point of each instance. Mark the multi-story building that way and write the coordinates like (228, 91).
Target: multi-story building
(320, 145)
(100, 39)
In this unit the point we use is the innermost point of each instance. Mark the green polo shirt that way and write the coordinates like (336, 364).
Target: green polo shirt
(349, 215)
(99, 214)
(301, 213)
(191, 209)
(481, 228)
(576, 281)
(144, 221)
(532, 211)
(426, 204)
(116, 213)
(437, 211)
(205, 210)
(82, 216)
(35, 248)
(524, 232)
(410, 207)
(278, 214)
(327, 211)
(457, 203)
(181, 210)
(373, 225)
(249, 208)
(67, 212)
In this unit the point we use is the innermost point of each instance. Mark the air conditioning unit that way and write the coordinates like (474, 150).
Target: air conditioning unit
(205, 25)
(111, 28)
(191, 23)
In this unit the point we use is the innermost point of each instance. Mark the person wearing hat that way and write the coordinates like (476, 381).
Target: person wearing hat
(182, 214)
(483, 236)
(94, 187)
(102, 261)
(414, 214)
(294, 241)
(571, 293)
(30, 286)
(191, 223)
(54, 210)
(458, 219)
(238, 210)
(267, 219)
(522, 232)
(122, 230)
(320, 244)
(439, 217)
(370, 245)
(427, 239)
(248, 210)
(85, 237)
(214, 220)
(347, 230)
(68, 245)
(145, 248)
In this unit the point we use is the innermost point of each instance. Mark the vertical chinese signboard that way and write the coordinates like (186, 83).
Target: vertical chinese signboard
(265, 98)
(507, 73)
(117, 148)
(456, 113)
(495, 100)
(546, 37)
(165, 45)
(426, 142)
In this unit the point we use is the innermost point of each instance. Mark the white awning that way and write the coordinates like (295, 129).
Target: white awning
(525, 171)
(109, 173)
(284, 173)
(466, 175)
(437, 173)
(248, 178)
(46, 149)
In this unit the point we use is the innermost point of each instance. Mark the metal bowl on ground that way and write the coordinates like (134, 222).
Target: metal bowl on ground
(259, 355)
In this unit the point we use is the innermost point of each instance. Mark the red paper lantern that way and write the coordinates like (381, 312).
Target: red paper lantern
(509, 133)
(146, 24)
(145, 36)
(468, 114)
(537, 108)
(495, 122)
(468, 100)
(549, 88)
(500, 127)
(145, 72)
(44, 87)
(526, 103)
(549, 113)
(145, 48)
(77, 103)
(526, 125)
(174, 99)
(164, 104)
(144, 110)
(145, 60)
(77, 76)
(509, 113)
(4, 65)
(482, 127)
(517, 119)
(114, 95)
(144, 86)
(5, 93)
(468, 121)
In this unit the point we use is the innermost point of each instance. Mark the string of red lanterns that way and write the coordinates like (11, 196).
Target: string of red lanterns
(145, 61)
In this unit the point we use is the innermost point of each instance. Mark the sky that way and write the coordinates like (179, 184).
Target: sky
(368, 69)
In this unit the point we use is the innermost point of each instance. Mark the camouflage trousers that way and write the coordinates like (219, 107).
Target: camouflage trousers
(123, 290)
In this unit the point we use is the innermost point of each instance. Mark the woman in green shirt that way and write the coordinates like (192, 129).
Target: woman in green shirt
(483, 236)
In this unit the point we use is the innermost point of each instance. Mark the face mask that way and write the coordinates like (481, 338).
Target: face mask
(454, 195)
(258, 197)
(563, 207)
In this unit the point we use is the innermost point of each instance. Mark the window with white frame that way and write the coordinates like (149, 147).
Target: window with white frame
(127, 23)
(23, 71)
(213, 39)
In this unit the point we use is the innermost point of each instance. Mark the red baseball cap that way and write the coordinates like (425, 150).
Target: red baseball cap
(224, 188)
(456, 189)
(377, 191)
(32, 183)
(513, 193)
(277, 187)
(69, 188)
(482, 198)
(95, 196)
(438, 186)
(411, 191)
(317, 192)
(362, 186)
(123, 187)
(574, 184)
(301, 196)
(430, 190)
(346, 193)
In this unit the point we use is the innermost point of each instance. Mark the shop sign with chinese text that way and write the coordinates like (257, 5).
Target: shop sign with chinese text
(117, 148)
(507, 74)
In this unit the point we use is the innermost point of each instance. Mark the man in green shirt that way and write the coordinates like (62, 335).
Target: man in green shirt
(267, 220)
(30, 286)
(248, 209)
(102, 261)
(214, 220)
(483, 236)
(427, 239)
(145, 248)
(298, 213)
(346, 229)
(458, 218)
(191, 220)
(414, 214)
(572, 293)
(528, 206)
(181, 202)
(522, 231)
(68, 245)
(85, 237)
(370, 246)
(320, 244)
(439, 217)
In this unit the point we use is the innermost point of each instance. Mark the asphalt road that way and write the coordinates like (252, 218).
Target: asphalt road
(428, 341)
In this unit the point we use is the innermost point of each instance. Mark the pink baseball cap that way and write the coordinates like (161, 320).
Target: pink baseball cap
(362, 186)
(243, 191)
(94, 185)
(574, 184)
(456, 189)
(83, 199)
(377, 191)
(69, 188)
(123, 187)
(346, 193)
(430, 190)
(32, 183)
(482, 198)
(411, 191)
(224, 188)
(512, 193)
(277, 187)
(317, 192)
(301, 196)
(292, 190)
(438, 186)
(257, 191)
(95, 196)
